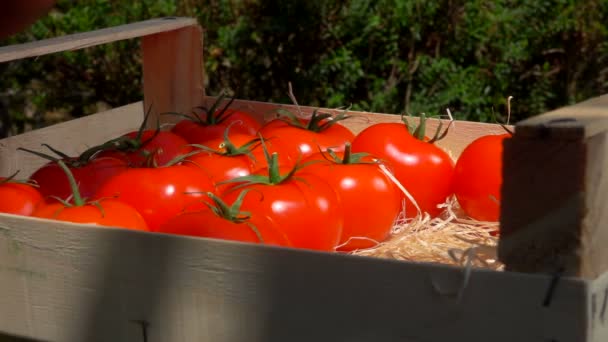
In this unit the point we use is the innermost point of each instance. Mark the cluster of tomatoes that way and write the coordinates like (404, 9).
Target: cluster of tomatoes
(290, 181)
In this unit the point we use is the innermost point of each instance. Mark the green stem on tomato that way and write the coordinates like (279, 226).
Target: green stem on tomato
(318, 122)
(347, 154)
(274, 174)
(233, 213)
(78, 201)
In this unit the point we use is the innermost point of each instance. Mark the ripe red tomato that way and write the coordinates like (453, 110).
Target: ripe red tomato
(165, 146)
(159, 193)
(244, 144)
(478, 177)
(424, 169)
(105, 212)
(89, 175)
(204, 127)
(309, 136)
(18, 198)
(221, 167)
(370, 199)
(304, 206)
(228, 223)
(113, 213)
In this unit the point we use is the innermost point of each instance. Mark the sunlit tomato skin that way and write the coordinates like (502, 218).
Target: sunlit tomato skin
(165, 145)
(286, 159)
(195, 132)
(425, 170)
(303, 142)
(18, 198)
(205, 223)
(478, 177)
(114, 214)
(370, 200)
(221, 168)
(159, 193)
(52, 180)
(305, 208)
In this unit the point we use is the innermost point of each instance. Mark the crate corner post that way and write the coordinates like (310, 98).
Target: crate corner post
(554, 216)
(173, 79)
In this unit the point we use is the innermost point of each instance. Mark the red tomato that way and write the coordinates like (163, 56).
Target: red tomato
(308, 136)
(112, 214)
(203, 127)
(478, 177)
(221, 167)
(225, 224)
(425, 170)
(159, 193)
(164, 145)
(90, 175)
(370, 199)
(255, 151)
(18, 198)
(304, 206)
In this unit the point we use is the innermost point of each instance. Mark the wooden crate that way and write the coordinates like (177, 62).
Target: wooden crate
(69, 282)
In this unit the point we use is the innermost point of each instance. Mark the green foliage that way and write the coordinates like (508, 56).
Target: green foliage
(376, 55)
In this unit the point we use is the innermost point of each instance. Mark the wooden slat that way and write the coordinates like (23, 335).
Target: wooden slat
(87, 39)
(65, 282)
(173, 72)
(554, 212)
(587, 117)
(74, 136)
(71, 137)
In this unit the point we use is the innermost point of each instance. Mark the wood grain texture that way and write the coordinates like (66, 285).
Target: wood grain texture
(554, 209)
(87, 39)
(72, 137)
(65, 282)
(173, 73)
(587, 117)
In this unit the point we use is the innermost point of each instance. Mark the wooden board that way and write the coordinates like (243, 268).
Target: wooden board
(555, 193)
(71, 137)
(74, 136)
(83, 40)
(65, 282)
(173, 72)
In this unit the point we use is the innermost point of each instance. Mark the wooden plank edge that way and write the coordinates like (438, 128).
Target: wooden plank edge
(266, 273)
(83, 40)
(583, 119)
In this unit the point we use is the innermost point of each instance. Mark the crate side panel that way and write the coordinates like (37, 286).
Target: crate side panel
(597, 310)
(83, 40)
(66, 282)
(72, 137)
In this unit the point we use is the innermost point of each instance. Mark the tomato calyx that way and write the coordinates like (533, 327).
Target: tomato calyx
(229, 149)
(274, 176)
(348, 156)
(419, 131)
(125, 143)
(213, 115)
(13, 179)
(317, 123)
(71, 161)
(232, 212)
(77, 199)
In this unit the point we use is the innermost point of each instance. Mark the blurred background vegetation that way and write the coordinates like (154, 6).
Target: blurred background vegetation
(377, 55)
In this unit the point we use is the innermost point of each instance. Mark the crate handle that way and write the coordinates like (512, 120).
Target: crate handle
(172, 51)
